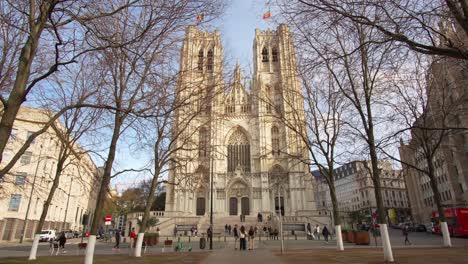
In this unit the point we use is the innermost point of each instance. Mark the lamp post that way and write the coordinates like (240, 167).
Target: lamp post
(68, 201)
(30, 197)
(211, 202)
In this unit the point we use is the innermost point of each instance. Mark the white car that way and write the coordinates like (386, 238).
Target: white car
(47, 235)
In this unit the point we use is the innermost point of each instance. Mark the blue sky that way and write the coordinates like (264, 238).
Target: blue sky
(237, 27)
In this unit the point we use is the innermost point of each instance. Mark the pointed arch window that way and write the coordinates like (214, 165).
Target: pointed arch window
(274, 54)
(238, 152)
(275, 148)
(265, 55)
(200, 60)
(209, 66)
(203, 140)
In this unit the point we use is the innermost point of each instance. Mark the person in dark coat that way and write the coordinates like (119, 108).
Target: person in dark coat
(325, 233)
(62, 239)
(117, 239)
(243, 237)
(235, 231)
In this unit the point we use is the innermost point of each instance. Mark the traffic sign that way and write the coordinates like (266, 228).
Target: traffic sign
(108, 218)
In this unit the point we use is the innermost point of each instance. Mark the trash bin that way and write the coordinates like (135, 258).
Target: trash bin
(202, 243)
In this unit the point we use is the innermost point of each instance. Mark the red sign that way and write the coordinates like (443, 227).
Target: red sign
(108, 218)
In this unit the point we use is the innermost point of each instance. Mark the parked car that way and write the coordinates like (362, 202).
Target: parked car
(68, 234)
(47, 235)
(420, 228)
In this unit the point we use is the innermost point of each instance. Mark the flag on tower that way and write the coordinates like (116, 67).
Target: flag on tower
(267, 14)
(200, 17)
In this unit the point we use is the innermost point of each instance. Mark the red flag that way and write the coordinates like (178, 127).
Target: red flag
(200, 17)
(267, 15)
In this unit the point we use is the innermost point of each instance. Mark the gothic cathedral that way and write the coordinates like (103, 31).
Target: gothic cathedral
(241, 139)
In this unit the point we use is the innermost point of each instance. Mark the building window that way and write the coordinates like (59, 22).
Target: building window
(20, 178)
(28, 135)
(265, 55)
(203, 142)
(26, 158)
(15, 201)
(209, 66)
(200, 60)
(14, 133)
(275, 148)
(274, 54)
(238, 152)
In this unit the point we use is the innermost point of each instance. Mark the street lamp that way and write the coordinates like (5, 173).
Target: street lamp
(30, 197)
(211, 202)
(68, 201)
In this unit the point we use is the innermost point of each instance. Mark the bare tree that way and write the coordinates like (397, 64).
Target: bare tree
(429, 27)
(357, 58)
(69, 130)
(427, 102)
(128, 71)
(41, 37)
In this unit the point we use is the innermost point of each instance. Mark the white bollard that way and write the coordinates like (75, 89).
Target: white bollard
(387, 247)
(445, 234)
(90, 249)
(339, 238)
(32, 254)
(139, 244)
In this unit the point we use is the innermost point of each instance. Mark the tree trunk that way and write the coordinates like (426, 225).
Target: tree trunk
(107, 173)
(336, 214)
(18, 93)
(440, 209)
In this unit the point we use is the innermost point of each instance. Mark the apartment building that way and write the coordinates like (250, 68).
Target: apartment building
(25, 188)
(355, 190)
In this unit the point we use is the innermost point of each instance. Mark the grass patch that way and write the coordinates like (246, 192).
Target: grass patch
(186, 258)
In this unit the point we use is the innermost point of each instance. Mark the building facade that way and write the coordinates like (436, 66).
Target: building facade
(240, 138)
(28, 183)
(355, 191)
(447, 108)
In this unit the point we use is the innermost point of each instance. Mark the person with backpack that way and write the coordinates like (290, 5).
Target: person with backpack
(242, 237)
(406, 233)
(251, 238)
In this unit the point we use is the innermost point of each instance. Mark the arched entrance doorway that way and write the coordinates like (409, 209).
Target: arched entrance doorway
(201, 206)
(233, 206)
(245, 206)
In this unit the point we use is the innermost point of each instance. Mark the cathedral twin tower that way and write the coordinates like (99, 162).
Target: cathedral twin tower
(246, 141)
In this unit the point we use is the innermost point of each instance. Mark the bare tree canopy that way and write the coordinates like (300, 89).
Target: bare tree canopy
(427, 26)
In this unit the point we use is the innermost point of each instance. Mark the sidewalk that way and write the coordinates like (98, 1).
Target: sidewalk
(230, 256)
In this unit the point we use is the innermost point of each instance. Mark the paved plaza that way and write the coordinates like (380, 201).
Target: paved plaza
(266, 251)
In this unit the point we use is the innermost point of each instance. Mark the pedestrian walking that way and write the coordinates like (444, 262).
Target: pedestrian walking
(309, 231)
(117, 240)
(226, 229)
(242, 238)
(175, 230)
(317, 232)
(132, 238)
(251, 238)
(275, 234)
(405, 233)
(325, 233)
(240, 216)
(62, 239)
(235, 232)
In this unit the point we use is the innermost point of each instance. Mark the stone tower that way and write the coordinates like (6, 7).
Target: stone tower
(241, 136)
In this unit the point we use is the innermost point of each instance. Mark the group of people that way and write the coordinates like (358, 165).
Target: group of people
(242, 235)
(227, 229)
(315, 233)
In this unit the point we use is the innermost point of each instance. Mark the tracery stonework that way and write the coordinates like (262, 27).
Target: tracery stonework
(238, 137)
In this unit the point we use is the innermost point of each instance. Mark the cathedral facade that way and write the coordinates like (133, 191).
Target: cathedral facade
(240, 140)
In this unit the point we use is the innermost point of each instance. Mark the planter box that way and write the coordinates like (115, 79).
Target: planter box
(344, 235)
(362, 238)
(351, 236)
